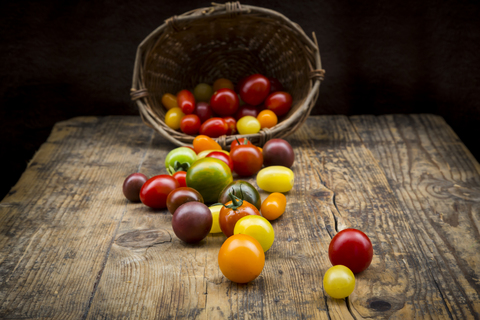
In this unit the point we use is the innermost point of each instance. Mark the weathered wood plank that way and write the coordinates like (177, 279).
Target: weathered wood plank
(437, 184)
(57, 224)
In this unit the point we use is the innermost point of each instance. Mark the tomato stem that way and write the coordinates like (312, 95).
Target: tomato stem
(236, 202)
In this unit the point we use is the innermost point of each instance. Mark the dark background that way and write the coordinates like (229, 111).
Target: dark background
(62, 59)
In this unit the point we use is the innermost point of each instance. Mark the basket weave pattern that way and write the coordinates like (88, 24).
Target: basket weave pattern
(226, 41)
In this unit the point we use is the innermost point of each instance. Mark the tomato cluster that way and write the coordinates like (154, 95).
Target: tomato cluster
(256, 102)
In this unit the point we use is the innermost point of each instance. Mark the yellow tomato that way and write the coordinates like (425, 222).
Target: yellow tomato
(339, 282)
(173, 118)
(169, 101)
(257, 227)
(275, 179)
(248, 125)
(215, 224)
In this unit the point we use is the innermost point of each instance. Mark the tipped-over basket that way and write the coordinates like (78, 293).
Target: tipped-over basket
(226, 41)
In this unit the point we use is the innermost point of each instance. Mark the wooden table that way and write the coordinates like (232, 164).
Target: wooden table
(72, 247)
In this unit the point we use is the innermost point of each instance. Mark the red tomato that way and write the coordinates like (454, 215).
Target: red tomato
(247, 160)
(155, 191)
(190, 124)
(279, 102)
(246, 110)
(186, 101)
(203, 111)
(180, 176)
(351, 248)
(254, 89)
(228, 217)
(224, 102)
(232, 125)
(241, 141)
(275, 85)
(214, 127)
(221, 156)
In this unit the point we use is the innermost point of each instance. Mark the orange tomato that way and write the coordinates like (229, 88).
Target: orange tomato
(222, 83)
(267, 119)
(241, 258)
(169, 101)
(273, 206)
(202, 143)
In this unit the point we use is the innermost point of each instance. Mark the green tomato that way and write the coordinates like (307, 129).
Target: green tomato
(244, 191)
(203, 92)
(209, 176)
(257, 227)
(275, 179)
(339, 282)
(216, 222)
(248, 125)
(184, 156)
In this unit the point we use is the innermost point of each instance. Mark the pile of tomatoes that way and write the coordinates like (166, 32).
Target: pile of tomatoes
(256, 102)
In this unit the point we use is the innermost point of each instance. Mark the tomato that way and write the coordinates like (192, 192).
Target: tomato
(279, 102)
(155, 191)
(274, 206)
(241, 141)
(215, 214)
(246, 110)
(275, 179)
(267, 119)
(132, 185)
(275, 85)
(190, 124)
(222, 83)
(203, 142)
(173, 118)
(247, 160)
(224, 102)
(232, 125)
(241, 258)
(232, 211)
(221, 156)
(257, 227)
(209, 176)
(248, 125)
(203, 92)
(254, 89)
(180, 176)
(214, 127)
(351, 248)
(169, 101)
(180, 196)
(180, 159)
(278, 152)
(205, 153)
(243, 190)
(339, 282)
(186, 101)
(189, 147)
(192, 222)
(203, 111)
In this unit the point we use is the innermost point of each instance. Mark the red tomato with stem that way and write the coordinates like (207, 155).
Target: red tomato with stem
(224, 102)
(246, 110)
(254, 89)
(279, 102)
(186, 101)
(221, 156)
(232, 211)
(247, 160)
(155, 191)
(203, 111)
(180, 176)
(190, 124)
(241, 141)
(214, 128)
(232, 125)
(351, 248)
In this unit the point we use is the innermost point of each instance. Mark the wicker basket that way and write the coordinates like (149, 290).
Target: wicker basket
(226, 41)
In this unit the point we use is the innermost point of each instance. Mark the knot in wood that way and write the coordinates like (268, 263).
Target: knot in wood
(137, 94)
(317, 74)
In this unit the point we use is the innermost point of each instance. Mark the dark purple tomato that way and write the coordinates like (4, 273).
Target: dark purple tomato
(246, 110)
(192, 221)
(275, 85)
(180, 196)
(132, 185)
(278, 152)
(203, 111)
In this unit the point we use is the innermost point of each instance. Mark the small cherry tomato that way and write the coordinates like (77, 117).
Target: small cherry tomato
(169, 101)
(203, 92)
(215, 214)
(278, 152)
(192, 221)
(203, 142)
(186, 101)
(248, 125)
(279, 102)
(351, 248)
(221, 156)
(180, 176)
(190, 124)
(254, 89)
(267, 119)
(214, 127)
(180, 159)
(224, 102)
(257, 227)
(339, 282)
(173, 117)
(274, 206)
(205, 153)
(275, 179)
(155, 191)
(180, 196)
(246, 110)
(275, 85)
(132, 185)
(247, 160)
(232, 211)
(203, 111)
(222, 83)
(232, 125)
(241, 141)
(241, 258)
